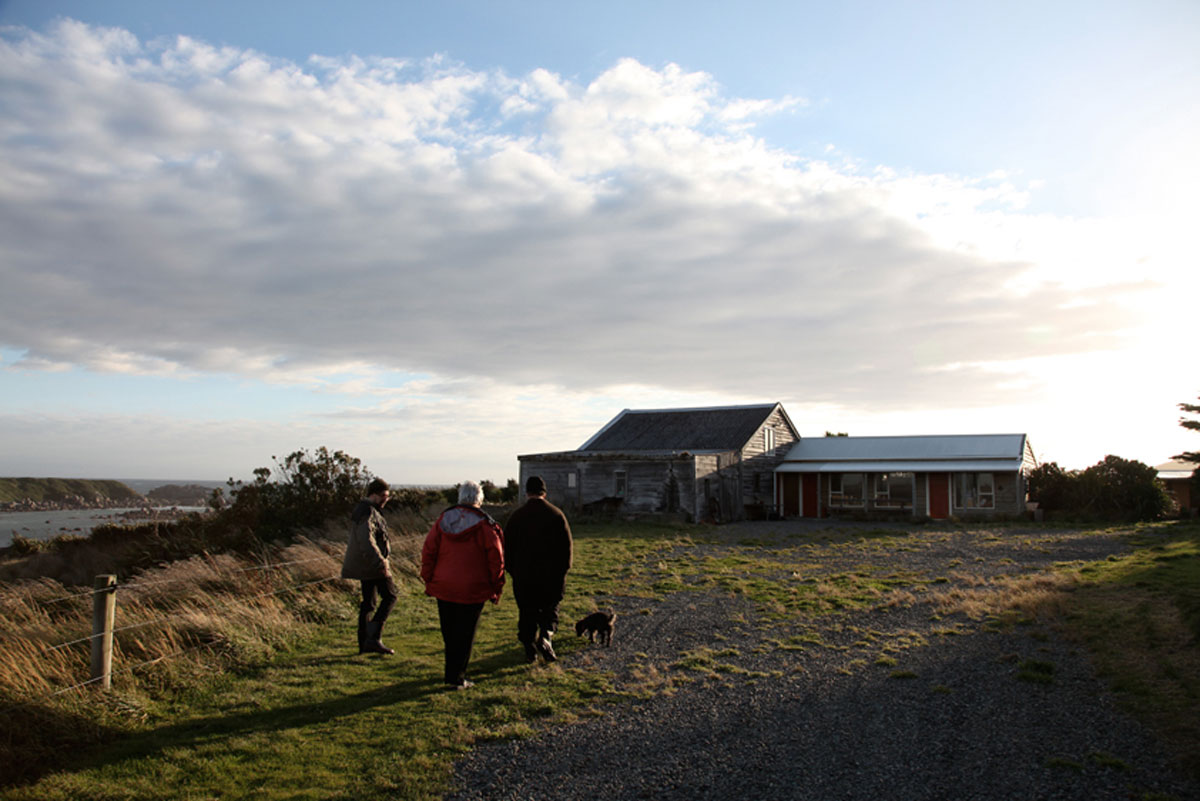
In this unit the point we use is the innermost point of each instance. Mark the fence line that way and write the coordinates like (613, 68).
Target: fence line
(164, 657)
(124, 669)
(64, 598)
(285, 564)
(224, 604)
(141, 584)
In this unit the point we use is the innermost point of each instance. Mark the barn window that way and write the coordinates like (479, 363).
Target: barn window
(894, 489)
(768, 439)
(974, 491)
(620, 484)
(571, 480)
(846, 489)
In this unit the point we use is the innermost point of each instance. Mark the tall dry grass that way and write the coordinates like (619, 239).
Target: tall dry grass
(980, 597)
(176, 624)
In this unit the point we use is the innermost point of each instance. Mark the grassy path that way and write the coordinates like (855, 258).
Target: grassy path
(320, 722)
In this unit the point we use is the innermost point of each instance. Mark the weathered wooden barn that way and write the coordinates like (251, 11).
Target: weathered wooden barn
(936, 476)
(714, 463)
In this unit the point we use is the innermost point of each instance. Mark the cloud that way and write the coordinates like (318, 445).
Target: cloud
(171, 206)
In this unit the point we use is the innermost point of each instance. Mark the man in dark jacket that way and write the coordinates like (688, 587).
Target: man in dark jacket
(537, 554)
(367, 560)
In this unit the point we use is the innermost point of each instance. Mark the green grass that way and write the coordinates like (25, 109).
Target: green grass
(1139, 616)
(322, 722)
(318, 721)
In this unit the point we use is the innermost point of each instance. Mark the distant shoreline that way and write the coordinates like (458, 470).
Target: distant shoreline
(43, 525)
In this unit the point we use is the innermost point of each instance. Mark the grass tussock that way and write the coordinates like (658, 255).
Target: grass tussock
(174, 625)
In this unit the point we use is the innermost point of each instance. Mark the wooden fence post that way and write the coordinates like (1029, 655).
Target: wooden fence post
(104, 608)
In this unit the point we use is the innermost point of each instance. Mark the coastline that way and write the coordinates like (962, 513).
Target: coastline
(47, 524)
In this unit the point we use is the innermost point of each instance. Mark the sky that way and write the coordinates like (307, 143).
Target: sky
(439, 235)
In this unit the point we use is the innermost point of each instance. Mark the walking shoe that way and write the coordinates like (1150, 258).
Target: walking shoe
(530, 652)
(373, 643)
(546, 649)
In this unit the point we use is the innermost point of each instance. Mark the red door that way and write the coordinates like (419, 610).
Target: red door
(939, 495)
(810, 495)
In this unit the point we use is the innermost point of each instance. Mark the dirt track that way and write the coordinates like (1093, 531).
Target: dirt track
(892, 700)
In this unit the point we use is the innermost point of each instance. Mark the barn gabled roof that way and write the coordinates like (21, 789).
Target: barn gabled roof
(713, 428)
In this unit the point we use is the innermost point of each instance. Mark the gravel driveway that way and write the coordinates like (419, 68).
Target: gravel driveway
(887, 701)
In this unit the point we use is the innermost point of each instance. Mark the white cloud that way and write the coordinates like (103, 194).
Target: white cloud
(171, 206)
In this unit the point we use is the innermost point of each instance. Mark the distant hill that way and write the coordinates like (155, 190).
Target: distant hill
(181, 494)
(145, 485)
(65, 490)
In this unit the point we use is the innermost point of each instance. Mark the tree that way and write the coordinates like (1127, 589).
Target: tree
(1191, 425)
(1191, 456)
(1114, 489)
(307, 489)
(1052, 487)
(1125, 490)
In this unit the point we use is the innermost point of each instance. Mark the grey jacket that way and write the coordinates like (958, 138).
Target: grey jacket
(368, 548)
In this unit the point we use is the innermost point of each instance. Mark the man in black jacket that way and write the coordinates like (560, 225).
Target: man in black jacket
(537, 554)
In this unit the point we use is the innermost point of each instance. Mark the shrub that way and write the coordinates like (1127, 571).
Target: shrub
(1114, 489)
(308, 490)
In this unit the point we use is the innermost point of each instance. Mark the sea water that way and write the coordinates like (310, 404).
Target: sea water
(80, 522)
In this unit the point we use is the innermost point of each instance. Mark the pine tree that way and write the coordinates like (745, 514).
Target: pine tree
(1192, 425)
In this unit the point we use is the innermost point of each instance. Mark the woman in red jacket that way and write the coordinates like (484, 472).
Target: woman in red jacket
(462, 564)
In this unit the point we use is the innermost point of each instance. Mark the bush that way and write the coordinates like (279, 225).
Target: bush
(308, 490)
(1113, 490)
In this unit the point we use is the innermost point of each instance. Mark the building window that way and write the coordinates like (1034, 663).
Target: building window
(974, 491)
(894, 489)
(571, 480)
(846, 489)
(769, 440)
(620, 484)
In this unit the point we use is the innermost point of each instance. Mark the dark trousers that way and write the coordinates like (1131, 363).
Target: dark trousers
(385, 588)
(537, 608)
(458, 634)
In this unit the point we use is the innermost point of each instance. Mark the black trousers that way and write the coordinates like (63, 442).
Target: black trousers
(385, 588)
(459, 622)
(537, 608)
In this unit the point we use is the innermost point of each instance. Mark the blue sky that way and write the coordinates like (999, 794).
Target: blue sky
(438, 235)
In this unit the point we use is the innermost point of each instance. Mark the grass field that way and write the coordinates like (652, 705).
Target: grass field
(305, 717)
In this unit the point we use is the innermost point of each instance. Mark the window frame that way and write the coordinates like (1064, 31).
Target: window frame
(620, 483)
(841, 501)
(884, 498)
(961, 489)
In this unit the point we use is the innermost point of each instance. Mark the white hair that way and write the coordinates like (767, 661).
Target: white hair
(470, 493)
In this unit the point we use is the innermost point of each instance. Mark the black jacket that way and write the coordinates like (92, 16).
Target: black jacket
(537, 543)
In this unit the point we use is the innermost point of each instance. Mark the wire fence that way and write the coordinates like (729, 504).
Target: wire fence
(164, 657)
(145, 584)
(103, 673)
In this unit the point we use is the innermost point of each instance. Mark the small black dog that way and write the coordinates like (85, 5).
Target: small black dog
(597, 623)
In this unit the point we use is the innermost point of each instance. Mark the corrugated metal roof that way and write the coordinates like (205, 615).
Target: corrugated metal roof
(904, 466)
(715, 428)
(1175, 470)
(946, 447)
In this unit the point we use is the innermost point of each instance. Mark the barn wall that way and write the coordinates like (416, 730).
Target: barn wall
(757, 468)
(652, 485)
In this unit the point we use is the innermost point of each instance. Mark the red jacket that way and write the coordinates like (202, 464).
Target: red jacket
(463, 557)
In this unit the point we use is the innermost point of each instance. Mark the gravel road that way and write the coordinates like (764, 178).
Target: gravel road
(889, 701)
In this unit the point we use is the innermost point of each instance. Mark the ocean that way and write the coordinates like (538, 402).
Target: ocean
(47, 525)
